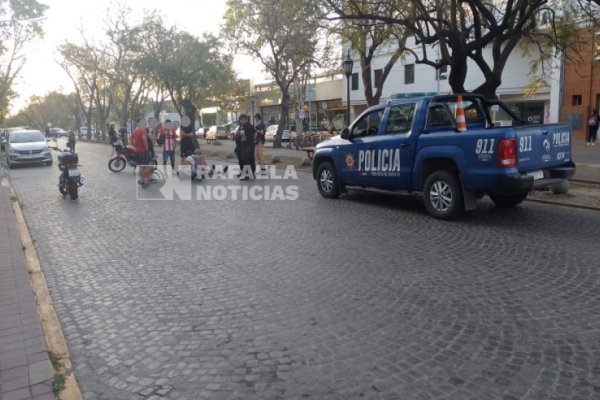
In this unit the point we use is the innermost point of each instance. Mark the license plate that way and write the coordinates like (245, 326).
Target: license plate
(73, 172)
(536, 175)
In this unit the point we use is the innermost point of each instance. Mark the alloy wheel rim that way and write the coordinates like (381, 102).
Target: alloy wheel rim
(326, 181)
(440, 196)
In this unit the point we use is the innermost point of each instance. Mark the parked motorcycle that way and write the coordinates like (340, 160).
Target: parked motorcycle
(124, 155)
(70, 179)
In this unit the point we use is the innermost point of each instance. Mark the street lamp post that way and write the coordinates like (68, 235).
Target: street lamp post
(348, 64)
(252, 100)
(310, 91)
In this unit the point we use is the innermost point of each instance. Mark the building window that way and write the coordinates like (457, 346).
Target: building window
(441, 73)
(377, 76)
(409, 74)
(355, 81)
(576, 100)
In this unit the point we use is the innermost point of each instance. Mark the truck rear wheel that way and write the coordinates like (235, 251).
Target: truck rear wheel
(442, 195)
(327, 180)
(508, 200)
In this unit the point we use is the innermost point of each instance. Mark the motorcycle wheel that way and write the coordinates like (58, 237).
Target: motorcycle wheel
(72, 188)
(117, 164)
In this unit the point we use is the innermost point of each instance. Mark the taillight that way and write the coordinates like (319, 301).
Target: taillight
(507, 153)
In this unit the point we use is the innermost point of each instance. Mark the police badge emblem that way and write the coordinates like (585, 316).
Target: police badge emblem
(350, 161)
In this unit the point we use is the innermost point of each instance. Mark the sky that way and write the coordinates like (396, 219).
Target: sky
(41, 73)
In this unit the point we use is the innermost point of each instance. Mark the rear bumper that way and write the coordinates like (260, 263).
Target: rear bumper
(521, 183)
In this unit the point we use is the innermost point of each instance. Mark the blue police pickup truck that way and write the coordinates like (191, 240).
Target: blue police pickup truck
(415, 144)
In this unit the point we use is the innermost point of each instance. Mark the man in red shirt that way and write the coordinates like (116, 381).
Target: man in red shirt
(139, 139)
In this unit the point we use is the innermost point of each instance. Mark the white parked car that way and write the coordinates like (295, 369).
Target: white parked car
(26, 147)
(271, 132)
(211, 134)
(83, 131)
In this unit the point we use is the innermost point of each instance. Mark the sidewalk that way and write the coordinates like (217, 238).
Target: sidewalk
(25, 368)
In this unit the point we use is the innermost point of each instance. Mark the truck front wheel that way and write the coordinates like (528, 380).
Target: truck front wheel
(442, 195)
(508, 200)
(327, 180)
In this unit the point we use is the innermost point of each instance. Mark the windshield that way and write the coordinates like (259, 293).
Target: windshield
(26, 137)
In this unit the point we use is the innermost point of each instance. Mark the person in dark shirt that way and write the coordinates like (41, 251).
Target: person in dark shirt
(245, 146)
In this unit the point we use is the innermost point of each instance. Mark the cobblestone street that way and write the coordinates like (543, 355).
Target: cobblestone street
(364, 297)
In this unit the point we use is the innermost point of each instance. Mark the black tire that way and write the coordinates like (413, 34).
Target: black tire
(327, 181)
(49, 163)
(72, 189)
(508, 200)
(442, 195)
(117, 164)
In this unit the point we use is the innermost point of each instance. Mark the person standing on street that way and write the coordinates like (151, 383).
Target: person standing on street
(237, 137)
(139, 139)
(71, 141)
(112, 134)
(166, 138)
(246, 147)
(592, 128)
(260, 141)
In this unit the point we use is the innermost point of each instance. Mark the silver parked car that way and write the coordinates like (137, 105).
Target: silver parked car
(26, 147)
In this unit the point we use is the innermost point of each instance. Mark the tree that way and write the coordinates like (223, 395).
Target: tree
(55, 108)
(370, 38)
(461, 29)
(80, 62)
(19, 25)
(282, 35)
(185, 67)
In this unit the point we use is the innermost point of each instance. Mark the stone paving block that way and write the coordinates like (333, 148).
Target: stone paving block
(40, 371)
(323, 298)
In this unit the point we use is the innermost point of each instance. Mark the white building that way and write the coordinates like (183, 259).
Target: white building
(407, 77)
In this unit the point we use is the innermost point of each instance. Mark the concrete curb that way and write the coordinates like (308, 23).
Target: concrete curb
(558, 203)
(54, 337)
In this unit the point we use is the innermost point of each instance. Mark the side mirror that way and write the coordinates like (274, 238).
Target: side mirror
(345, 134)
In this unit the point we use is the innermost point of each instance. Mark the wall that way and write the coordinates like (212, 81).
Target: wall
(581, 78)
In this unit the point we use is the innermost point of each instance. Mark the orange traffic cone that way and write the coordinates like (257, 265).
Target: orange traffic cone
(461, 124)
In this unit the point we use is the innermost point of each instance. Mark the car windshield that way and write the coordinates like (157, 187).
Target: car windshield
(26, 137)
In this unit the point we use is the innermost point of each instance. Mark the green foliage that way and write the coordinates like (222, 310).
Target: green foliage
(283, 35)
(20, 25)
(58, 383)
(459, 30)
(54, 108)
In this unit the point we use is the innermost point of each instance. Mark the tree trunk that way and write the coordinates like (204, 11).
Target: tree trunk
(283, 118)
(458, 73)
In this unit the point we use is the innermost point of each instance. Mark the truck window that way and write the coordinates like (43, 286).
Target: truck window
(439, 115)
(473, 113)
(368, 125)
(400, 119)
(443, 114)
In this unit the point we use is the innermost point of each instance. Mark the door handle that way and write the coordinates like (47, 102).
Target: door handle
(404, 144)
(369, 147)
